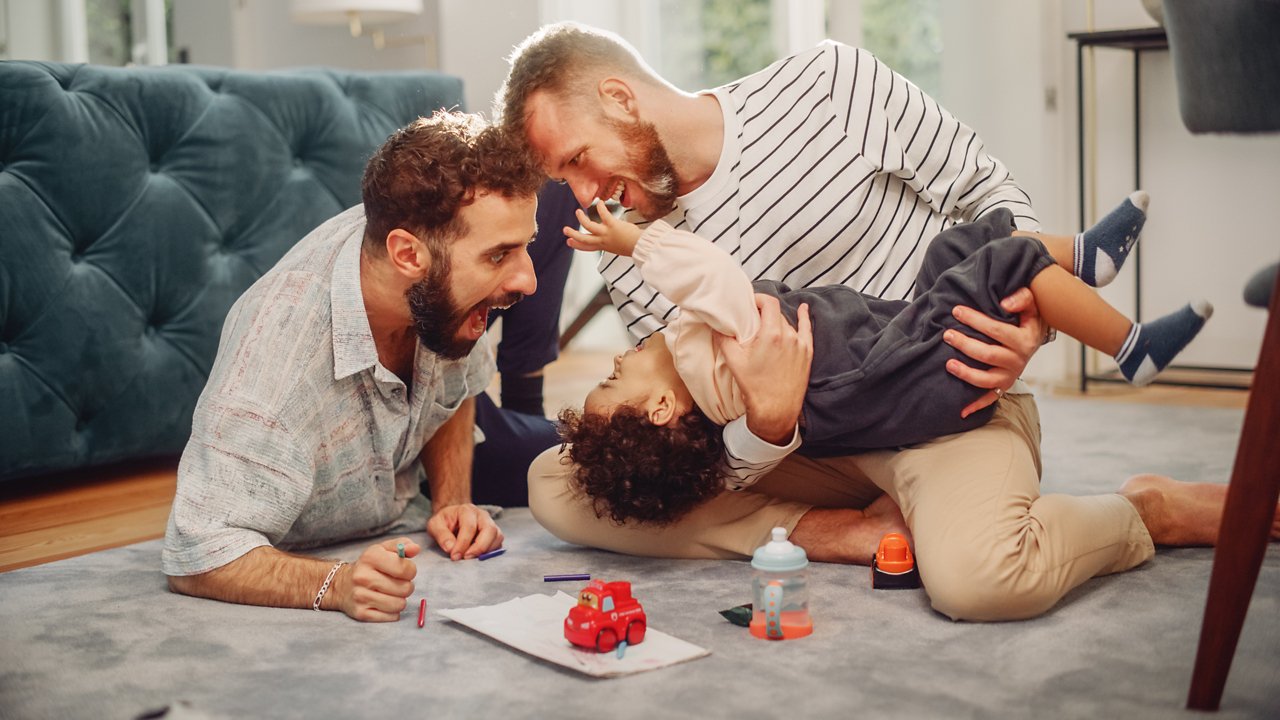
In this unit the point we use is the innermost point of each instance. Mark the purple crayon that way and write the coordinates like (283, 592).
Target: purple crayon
(564, 578)
(491, 554)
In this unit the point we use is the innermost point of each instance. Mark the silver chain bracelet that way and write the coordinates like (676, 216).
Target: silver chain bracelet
(328, 580)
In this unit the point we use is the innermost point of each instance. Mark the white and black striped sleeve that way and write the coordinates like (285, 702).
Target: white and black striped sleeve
(642, 309)
(903, 131)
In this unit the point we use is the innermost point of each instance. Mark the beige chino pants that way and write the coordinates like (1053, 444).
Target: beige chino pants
(988, 545)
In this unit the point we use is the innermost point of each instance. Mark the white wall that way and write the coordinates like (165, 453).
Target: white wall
(463, 37)
(1002, 69)
(203, 29)
(33, 30)
(475, 43)
(261, 35)
(1209, 225)
(1009, 71)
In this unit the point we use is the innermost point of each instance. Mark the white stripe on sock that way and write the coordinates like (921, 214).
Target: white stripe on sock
(1129, 343)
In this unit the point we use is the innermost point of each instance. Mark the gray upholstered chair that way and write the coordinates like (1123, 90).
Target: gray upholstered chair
(1226, 58)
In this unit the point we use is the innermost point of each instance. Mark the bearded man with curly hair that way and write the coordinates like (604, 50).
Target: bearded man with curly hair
(348, 373)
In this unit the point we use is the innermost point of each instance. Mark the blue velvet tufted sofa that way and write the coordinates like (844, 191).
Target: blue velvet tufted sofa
(135, 206)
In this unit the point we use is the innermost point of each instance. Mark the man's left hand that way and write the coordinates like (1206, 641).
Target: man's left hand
(1017, 343)
(772, 369)
(464, 531)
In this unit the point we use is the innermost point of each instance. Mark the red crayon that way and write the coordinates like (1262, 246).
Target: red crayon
(422, 612)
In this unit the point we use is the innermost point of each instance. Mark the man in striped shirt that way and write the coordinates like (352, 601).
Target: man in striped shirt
(827, 167)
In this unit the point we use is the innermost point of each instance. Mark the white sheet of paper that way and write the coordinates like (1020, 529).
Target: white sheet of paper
(535, 624)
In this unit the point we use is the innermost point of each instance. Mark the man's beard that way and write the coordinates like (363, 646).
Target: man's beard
(653, 168)
(437, 318)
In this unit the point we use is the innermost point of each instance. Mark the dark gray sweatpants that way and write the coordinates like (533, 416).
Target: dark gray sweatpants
(879, 377)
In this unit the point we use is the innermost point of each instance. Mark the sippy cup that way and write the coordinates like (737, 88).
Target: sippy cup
(780, 590)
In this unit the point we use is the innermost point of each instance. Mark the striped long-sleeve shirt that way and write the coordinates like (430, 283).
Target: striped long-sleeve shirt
(834, 170)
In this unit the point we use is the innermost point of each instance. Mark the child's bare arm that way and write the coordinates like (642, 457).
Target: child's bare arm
(612, 234)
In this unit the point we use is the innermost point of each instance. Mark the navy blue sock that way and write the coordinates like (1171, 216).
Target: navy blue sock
(1101, 250)
(1151, 346)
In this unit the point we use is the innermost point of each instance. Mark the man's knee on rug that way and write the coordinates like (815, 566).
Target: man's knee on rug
(979, 592)
(993, 576)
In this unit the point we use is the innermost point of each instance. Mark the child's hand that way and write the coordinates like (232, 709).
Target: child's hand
(611, 234)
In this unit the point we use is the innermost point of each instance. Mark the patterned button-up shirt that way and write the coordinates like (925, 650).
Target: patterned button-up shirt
(301, 437)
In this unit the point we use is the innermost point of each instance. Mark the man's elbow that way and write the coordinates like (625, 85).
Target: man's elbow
(186, 585)
(180, 584)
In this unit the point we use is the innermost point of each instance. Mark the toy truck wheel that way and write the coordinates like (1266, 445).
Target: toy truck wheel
(635, 632)
(607, 640)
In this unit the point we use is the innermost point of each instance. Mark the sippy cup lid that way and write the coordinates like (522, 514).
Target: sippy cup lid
(779, 554)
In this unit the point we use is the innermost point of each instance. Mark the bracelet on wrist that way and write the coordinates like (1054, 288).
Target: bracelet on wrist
(328, 580)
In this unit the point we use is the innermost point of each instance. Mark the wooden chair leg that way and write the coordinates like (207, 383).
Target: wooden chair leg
(1246, 525)
(600, 301)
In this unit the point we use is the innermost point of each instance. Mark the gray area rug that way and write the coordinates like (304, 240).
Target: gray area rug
(99, 636)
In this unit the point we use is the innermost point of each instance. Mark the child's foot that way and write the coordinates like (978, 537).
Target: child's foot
(1101, 250)
(1151, 346)
(842, 535)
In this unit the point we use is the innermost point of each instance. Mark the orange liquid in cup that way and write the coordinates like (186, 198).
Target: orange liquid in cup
(794, 623)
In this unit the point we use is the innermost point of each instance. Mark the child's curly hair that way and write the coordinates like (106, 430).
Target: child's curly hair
(635, 470)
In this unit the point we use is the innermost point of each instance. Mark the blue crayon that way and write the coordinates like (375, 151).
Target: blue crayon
(491, 554)
(400, 549)
(563, 578)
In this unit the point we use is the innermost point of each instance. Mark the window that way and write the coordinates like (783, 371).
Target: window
(118, 32)
(699, 44)
(110, 25)
(907, 36)
(707, 43)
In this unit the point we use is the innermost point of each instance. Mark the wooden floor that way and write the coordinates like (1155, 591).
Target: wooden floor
(52, 518)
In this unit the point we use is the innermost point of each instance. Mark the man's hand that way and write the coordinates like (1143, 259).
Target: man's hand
(464, 530)
(377, 585)
(772, 369)
(1007, 359)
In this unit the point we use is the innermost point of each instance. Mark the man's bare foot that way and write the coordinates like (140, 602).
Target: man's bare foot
(1181, 513)
(848, 536)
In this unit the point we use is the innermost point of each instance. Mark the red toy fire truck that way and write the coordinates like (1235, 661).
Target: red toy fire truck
(605, 614)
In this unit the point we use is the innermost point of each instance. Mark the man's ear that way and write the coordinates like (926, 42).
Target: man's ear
(408, 255)
(663, 408)
(617, 98)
